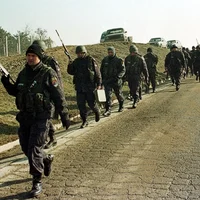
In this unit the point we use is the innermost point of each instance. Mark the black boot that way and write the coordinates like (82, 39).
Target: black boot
(177, 87)
(121, 106)
(52, 142)
(107, 113)
(47, 164)
(135, 103)
(84, 124)
(37, 186)
(97, 115)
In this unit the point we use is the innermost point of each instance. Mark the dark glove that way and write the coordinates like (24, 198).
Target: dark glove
(66, 123)
(5, 79)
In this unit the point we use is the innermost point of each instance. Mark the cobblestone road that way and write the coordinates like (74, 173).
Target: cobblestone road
(150, 153)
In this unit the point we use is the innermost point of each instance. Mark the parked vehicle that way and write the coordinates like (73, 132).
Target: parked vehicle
(103, 36)
(116, 34)
(160, 42)
(172, 42)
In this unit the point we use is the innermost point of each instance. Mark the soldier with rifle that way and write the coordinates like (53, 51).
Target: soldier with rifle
(36, 87)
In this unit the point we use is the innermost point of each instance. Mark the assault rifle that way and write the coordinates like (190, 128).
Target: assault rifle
(66, 51)
(5, 72)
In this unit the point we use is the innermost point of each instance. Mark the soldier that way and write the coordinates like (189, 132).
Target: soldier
(112, 70)
(36, 87)
(196, 63)
(51, 62)
(135, 67)
(151, 61)
(175, 63)
(187, 60)
(87, 78)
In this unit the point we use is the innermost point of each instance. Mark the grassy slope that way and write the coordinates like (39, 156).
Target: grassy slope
(8, 124)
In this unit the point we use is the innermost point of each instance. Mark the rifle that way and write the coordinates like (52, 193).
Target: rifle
(5, 72)
(66, 51)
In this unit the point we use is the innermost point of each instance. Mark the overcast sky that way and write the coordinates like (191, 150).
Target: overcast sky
(83, 21)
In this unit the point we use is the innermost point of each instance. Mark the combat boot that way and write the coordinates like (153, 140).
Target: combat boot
(121, 106)
(135, 103)
(107, 113)
(84, 124)
(47, 164)
(37, 186)
(177, 87)
(52, 142)
(97, 115)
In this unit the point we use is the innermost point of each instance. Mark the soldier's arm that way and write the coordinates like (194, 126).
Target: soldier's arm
(122, 69)
(183, 62)
(71, 68)
(167, 60)
(98, 77)
(10, 88)
(156, 59)
(144, 69)
(101, 69)
(57, 95)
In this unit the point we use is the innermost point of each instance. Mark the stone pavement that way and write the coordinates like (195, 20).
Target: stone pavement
(150, 153)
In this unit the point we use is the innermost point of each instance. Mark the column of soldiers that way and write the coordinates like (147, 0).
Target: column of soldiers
(40, 96)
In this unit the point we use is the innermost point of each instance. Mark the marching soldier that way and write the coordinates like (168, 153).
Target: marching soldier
(35, 88)
(151, 61)
(135, 67)
(87, 78)
(112, 70)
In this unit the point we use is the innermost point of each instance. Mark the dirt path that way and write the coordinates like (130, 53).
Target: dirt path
(152, 152)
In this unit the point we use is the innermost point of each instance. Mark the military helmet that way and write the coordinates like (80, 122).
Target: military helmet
(41, 43)
(81, 49)
(149, 50)
(133, 49)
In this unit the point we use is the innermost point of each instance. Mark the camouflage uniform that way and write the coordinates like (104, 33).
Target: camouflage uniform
(34, 90)
(112, 70)
(135, 67)
(87, 78)
(151, 61)
(175, 62)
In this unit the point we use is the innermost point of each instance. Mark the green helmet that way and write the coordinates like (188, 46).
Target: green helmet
(81, 49)
(40, 43)
(133, 49)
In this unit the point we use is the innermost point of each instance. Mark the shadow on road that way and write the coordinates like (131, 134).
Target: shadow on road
(9, 183)
(20, 196)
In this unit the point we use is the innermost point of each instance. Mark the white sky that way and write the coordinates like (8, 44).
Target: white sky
(83, 21)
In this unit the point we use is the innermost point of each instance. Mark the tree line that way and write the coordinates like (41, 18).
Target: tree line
(12, 44)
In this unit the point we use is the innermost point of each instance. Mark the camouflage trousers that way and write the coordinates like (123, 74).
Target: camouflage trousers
(176, 76)
(135, 87)
(83, 98)
(117, 91)
(32, 138)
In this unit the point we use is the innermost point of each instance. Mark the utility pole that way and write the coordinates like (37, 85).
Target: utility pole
(6, 50)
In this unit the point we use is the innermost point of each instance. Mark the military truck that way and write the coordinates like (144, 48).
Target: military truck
(115, 34)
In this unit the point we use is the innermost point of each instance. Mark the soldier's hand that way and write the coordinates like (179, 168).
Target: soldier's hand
(70, 61)
(5, 79)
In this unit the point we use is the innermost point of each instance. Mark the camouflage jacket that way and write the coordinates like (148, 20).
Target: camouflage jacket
(135, 67)
(112, 70)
